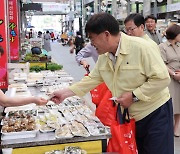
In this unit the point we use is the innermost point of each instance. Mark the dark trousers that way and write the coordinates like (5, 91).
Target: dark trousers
(154, 133)
(77, 51)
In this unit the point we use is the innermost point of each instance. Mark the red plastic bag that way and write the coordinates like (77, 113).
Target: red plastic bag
(98, 93)
(123, 135)
(106, 110)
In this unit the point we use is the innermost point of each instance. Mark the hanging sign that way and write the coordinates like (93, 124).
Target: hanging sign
(3, 46)
(13, 29)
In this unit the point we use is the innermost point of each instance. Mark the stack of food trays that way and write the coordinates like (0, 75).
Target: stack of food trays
(20, 76)
(50, 82)
(68, 150)
(48, 78)
(65, 79)
(19, 124)
(20, 87)
(49, 74)
(62, 73)
(32, 77)
(71, 118)
(58, 76)
(50, 89)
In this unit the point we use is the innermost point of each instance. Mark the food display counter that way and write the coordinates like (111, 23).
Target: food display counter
(70, 123)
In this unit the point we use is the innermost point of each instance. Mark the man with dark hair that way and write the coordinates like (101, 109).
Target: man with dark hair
(135, 25)
(151, 17)
(151, 22)
(138, 79)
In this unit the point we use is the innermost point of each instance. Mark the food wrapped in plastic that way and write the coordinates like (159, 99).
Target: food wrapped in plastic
(63, 132)
(45, 128)
(78, 129)
(74, 150)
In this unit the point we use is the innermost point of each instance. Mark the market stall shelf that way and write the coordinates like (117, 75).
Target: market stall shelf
(46, 139)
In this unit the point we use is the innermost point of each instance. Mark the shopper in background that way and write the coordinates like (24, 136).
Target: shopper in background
(52, 36)
(47, 38)
(170, 51)
(151, 30)
(39, 34)
(31, 34)
(136, 74)
(78, 43)
(70, 34)
(87, 51)
(135, 25)
(64, 38)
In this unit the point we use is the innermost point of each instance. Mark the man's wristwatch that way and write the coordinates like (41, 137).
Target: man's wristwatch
(135, 99)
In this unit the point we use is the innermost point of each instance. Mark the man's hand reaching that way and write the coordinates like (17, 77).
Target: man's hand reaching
(60, 95)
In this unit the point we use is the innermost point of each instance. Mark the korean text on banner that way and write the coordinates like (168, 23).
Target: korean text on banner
(13, 29)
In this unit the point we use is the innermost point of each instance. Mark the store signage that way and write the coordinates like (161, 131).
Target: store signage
(4, 46)
(78, 7)
(32, 6)
(173, 7)
(64, 8)
(13, 29)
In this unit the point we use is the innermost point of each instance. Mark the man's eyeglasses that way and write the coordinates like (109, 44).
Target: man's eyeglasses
(130, 29)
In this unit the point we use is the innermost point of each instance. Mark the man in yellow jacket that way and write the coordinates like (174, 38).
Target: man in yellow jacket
(137, 76)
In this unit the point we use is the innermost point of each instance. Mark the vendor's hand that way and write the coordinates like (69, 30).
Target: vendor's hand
(40, 101)
(125, 100)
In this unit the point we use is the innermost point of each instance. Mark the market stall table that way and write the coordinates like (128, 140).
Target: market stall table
(43, 141)
(47, 141)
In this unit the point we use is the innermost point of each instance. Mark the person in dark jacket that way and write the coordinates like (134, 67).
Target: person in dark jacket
(78, 43)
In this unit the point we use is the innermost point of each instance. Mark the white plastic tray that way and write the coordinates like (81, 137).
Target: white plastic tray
(23, 107)
(18, 135)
